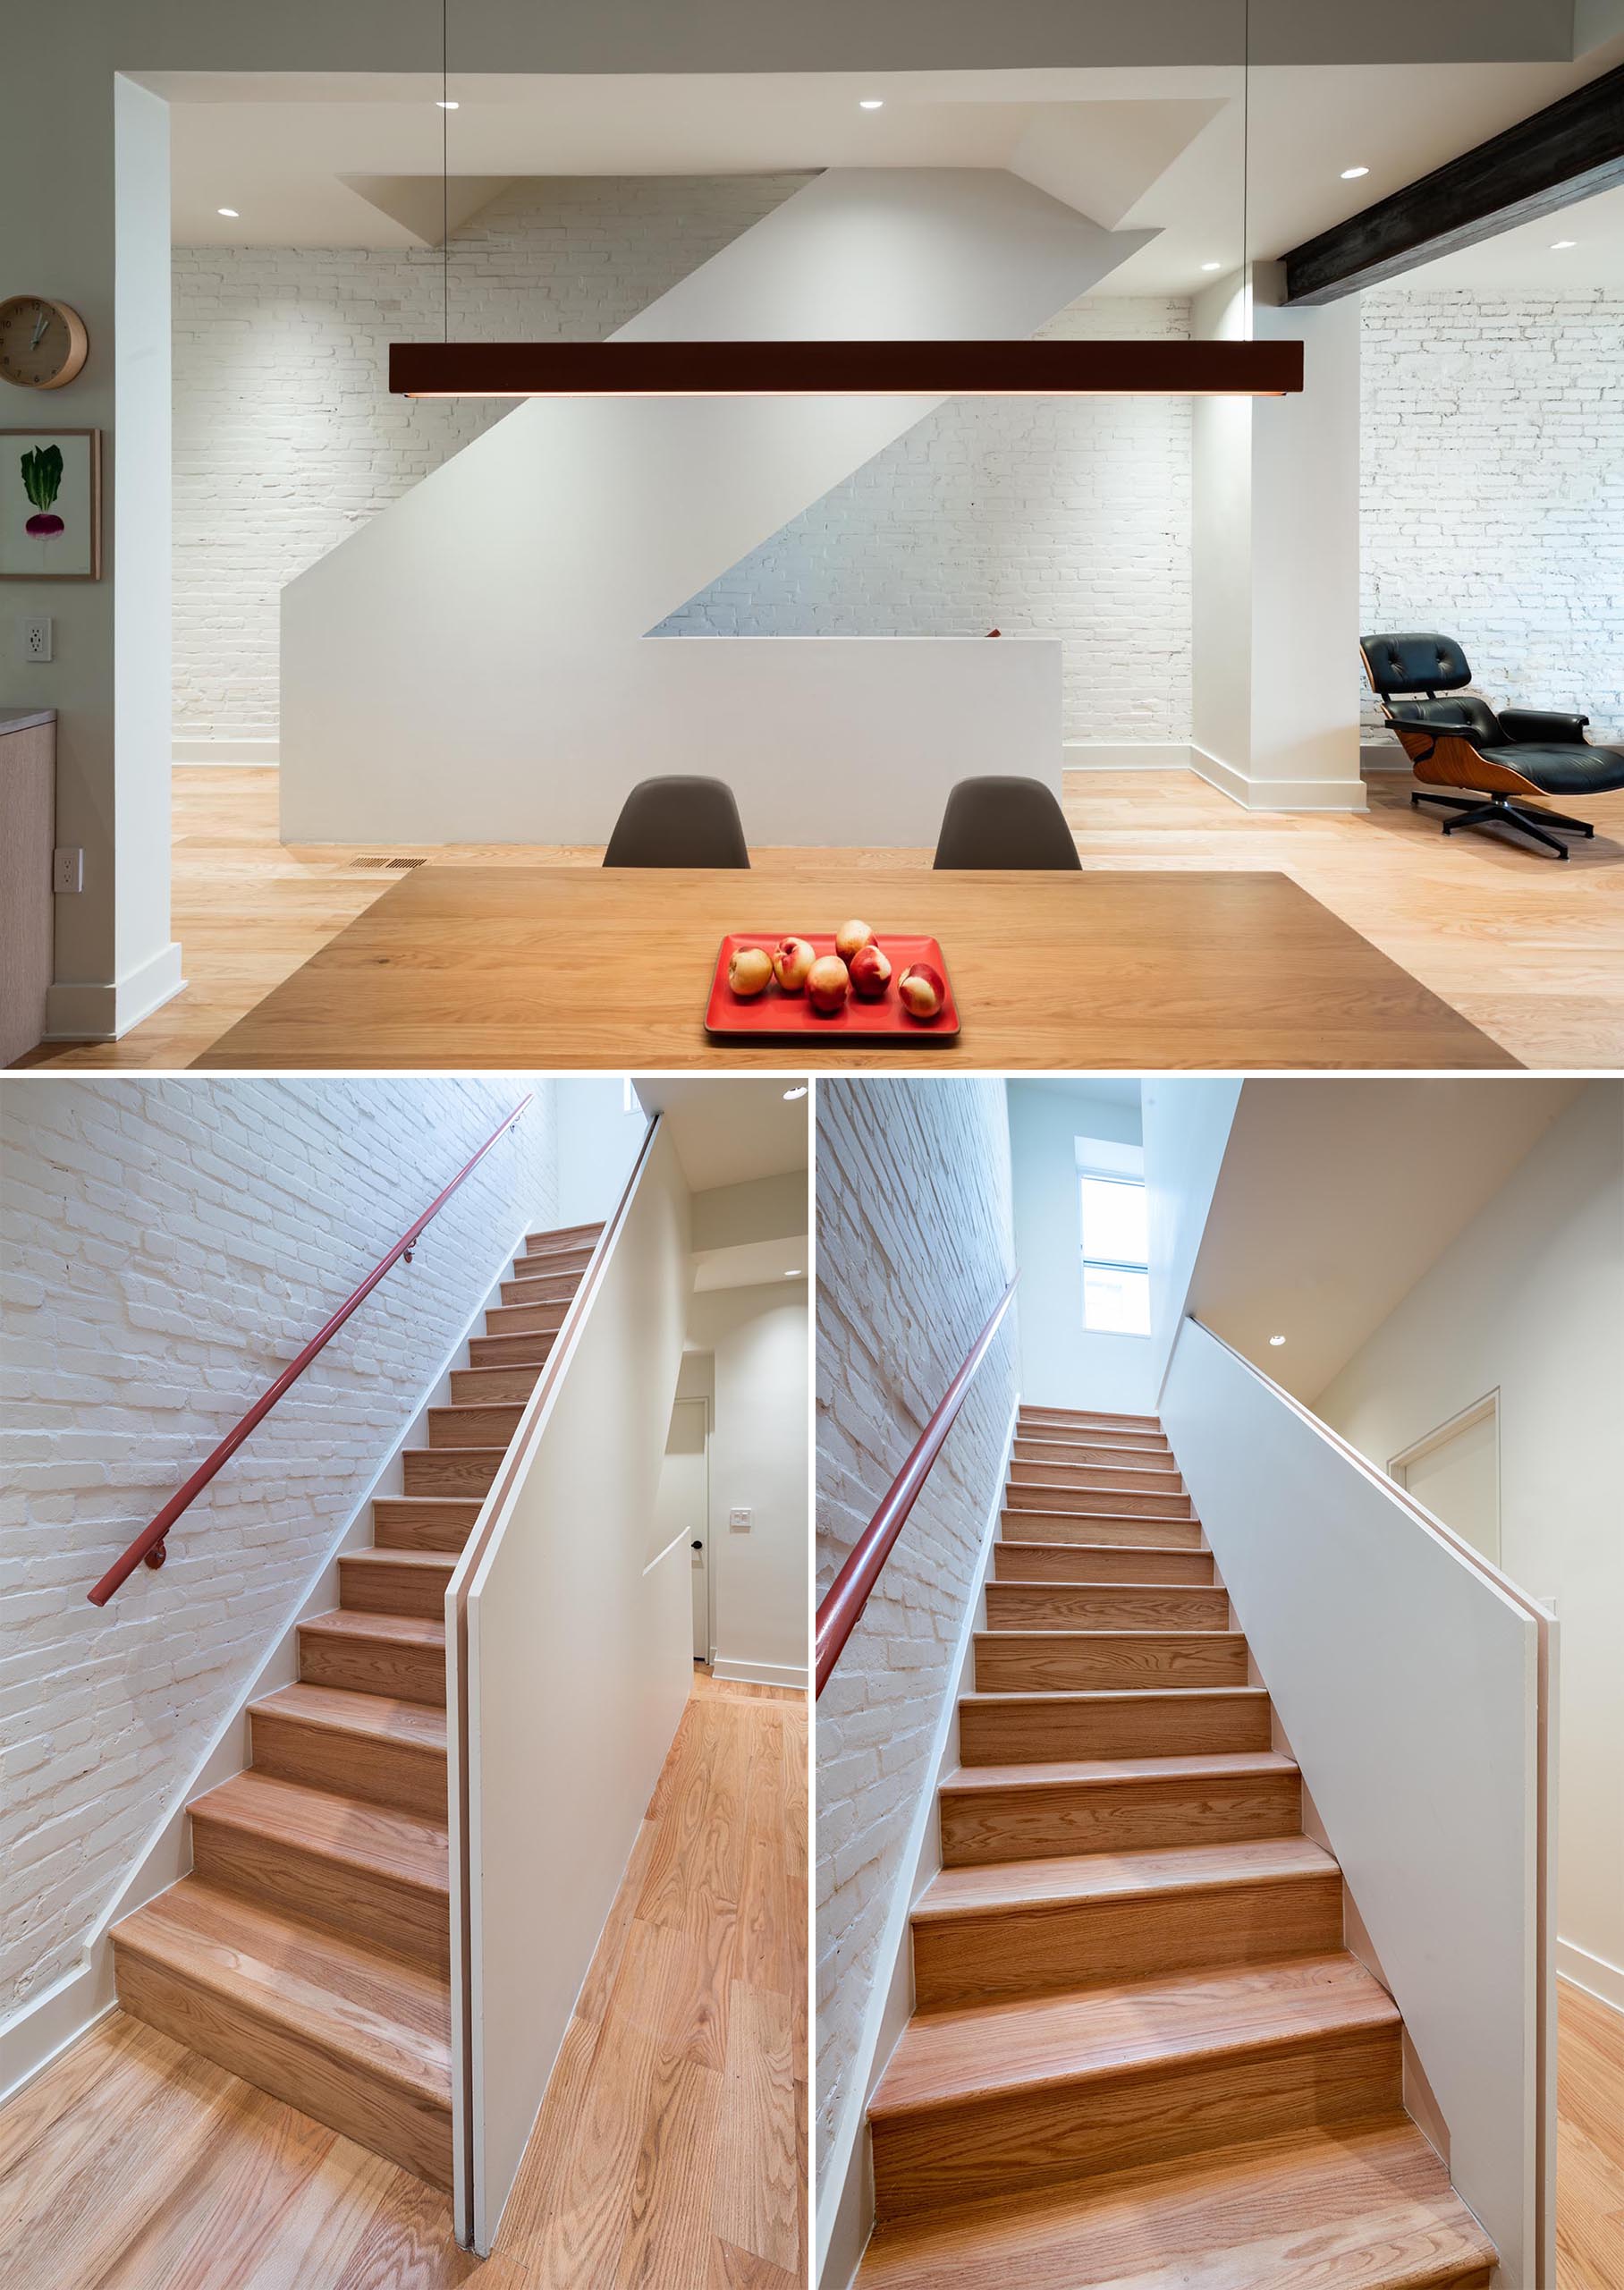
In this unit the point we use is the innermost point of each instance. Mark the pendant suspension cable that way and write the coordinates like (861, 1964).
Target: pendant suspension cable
(1245, 164)
(445, 167)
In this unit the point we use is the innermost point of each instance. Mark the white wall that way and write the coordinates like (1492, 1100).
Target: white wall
(1062, 1363)
(1187, 1127)
(755, 1344)
(168, 1246)
(579, 1660)
(1529, 1300)
(914, 1246)
(1492, 487)
(598, 1140)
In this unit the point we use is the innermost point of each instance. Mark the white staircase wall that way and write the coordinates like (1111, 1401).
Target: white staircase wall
(1406, 1676)
(472, 665)
(568, 1686)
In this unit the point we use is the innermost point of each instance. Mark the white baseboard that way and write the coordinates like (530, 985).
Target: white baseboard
(106, 1012)
(1126, 755)
(760, 1673)
(1383, 755)
(845, 2214)
(1278, 795)
(1594, 1974)
(232, 752)
(48, 2023)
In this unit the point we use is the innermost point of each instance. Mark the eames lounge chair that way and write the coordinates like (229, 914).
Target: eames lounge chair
(1462, 743)
(679, 821)
(1004, 823)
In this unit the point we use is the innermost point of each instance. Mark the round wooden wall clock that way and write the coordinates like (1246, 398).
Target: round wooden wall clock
(42, 343)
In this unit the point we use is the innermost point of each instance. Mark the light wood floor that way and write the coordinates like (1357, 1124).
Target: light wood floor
(1529, 949)
(1590, 2143)
(671, 2151)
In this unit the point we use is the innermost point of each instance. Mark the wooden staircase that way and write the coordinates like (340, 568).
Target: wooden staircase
(1140, 2054)
(268, 1958)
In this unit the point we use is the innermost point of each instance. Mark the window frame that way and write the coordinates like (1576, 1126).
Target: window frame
(1088, 1263)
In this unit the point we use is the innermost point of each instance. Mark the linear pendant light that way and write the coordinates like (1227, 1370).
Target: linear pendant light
(1046, 369)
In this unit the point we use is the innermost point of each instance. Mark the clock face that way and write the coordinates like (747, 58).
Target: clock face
(42, 343)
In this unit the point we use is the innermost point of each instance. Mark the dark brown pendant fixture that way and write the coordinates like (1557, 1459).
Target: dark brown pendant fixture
(1046, 369)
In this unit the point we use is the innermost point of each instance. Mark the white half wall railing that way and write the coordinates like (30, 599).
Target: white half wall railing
(1414, 1686)
(569, 1659)
(474, 665)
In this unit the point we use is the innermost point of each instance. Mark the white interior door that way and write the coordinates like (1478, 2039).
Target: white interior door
(1455, 1472)
(685, 1506)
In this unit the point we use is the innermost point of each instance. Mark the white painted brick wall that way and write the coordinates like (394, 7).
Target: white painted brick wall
(168, 1245)
(1066, 517)
(285, 435)
(914, 1246)
(1493, 489)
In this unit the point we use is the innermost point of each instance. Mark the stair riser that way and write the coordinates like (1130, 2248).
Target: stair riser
(401, 1523)
(1068, 1526)
(479, 1387)
(1067, 1662)
(366, 1903)
(1123, 1817)
(524, 1320)
(1051, 1422)
(449, 1471)
(1175, 1724)
(1095, 1478)
(399, 2124)
(540, 1288)
(409, 1673)
(324, 1757)
(1028, 1492)
(1057, 1605)
(977, 1959)
(574, 1259)
(1014, 2143)
(567, 1236)
(364, 1587)
(473, 1427)
(1084, 1454)
(1073, 1563)
(508, 1351)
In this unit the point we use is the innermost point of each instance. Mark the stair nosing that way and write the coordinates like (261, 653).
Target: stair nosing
(1097, 1773)
(231, 1816)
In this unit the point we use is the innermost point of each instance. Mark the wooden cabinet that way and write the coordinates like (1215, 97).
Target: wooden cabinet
(27, 829)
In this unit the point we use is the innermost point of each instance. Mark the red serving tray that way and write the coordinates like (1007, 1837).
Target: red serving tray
(777, 1016)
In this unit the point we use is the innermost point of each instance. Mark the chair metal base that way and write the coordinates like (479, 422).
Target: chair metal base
(1488, 810)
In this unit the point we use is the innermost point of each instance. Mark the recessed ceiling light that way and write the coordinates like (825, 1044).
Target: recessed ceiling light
(447, 103)
(1352, 174)
(230, 213)
(1557, 244)
(1211, 266)
(800, 1090)
(796, 1275)
(871, 103)
(1277, 1339)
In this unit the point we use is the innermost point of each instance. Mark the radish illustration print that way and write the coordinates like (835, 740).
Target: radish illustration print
(42, 482)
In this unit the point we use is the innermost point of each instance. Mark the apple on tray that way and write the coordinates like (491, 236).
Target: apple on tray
(793, 963)
(922, 991)
(828, 983)
(749, 970)
(851, 938)
(870, 968)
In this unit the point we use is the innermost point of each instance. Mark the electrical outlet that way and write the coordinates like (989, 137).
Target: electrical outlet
(740, 1519)
(67, 867)
(37, 638)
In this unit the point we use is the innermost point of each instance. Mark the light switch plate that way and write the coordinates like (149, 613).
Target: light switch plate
(741, 1518)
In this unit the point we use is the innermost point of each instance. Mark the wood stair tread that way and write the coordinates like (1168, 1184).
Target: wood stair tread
(380, 1555)
(1114, 1772)
(378, 2012)
(411, 1724)
(386, 1629)
(346, 1830)
(1099, 1876)
(973, 2052)
(1370, 2208)
(1137, 1694)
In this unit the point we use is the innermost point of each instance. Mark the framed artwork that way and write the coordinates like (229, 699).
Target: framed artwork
(50, 504)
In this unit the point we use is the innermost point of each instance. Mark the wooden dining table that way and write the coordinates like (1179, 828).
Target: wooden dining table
(578, 967)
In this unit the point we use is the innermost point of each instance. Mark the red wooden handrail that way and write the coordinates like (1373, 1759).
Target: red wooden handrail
(849, 1593)
(149, 1544)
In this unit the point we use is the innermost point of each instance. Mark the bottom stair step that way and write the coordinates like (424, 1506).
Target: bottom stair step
(1368, 2209)
(355, 2037)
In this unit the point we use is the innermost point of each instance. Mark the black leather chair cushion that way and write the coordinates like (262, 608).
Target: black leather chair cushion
(1563, 770)
(678, 822)
(1429, 663)
(1004, 823)
(1469, 714)
(1544, 726)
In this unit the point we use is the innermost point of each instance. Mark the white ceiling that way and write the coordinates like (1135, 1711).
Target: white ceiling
(1526, 258)
(1336, 1196)
(335, 159)
(729, 1131)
